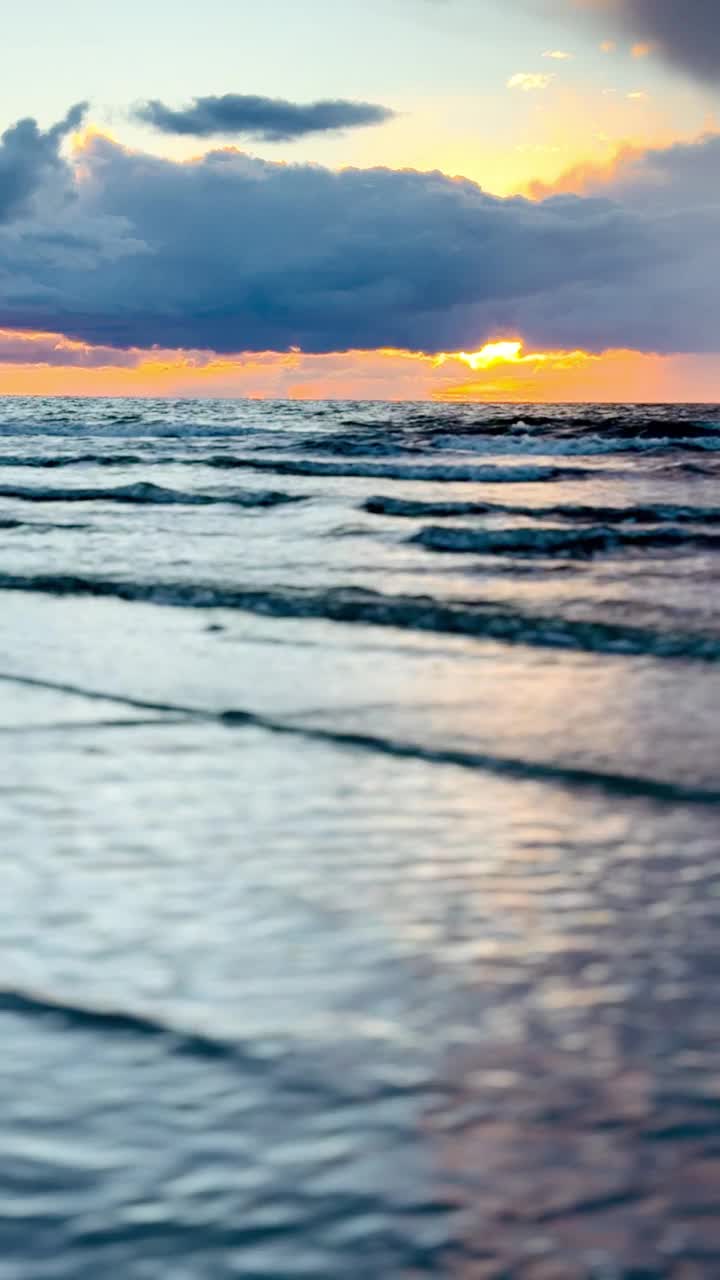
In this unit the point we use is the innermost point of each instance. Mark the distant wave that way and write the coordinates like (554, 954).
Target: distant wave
(354, 426)
(399, 470)
(130, 427)
(640, 514)
(146, 494)
(625, 419)
(413, 613)
(543, 436)
(554, 541)
(51, 462)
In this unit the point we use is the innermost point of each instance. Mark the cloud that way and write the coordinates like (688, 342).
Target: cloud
(559, 55)
(230, 253)
(529, 81)
(265, 119)
(29, 158)
(686, 34)
(57, 351)
(680, 180)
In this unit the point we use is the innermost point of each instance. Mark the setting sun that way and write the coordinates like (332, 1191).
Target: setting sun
(495, 353)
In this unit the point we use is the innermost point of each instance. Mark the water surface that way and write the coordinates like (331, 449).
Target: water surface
(360, 821)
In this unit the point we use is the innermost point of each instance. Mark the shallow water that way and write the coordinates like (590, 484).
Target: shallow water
(360, 813)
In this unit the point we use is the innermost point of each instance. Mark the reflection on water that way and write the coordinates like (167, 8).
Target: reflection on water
(335, 942)
(423, 1021)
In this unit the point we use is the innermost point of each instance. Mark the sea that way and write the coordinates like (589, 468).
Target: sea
(360, 831)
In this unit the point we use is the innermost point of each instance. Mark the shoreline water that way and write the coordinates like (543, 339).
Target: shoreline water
(362, 917)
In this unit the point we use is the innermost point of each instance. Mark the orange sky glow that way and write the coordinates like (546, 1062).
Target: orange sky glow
(50, 364)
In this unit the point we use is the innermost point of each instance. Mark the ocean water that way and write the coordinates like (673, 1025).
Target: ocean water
(360, 818)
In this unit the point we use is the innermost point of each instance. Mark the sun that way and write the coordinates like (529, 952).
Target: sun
(493, 353)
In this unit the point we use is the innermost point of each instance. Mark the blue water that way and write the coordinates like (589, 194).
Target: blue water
(360, 816)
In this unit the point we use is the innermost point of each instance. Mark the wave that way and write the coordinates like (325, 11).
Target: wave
(356, 422)
(145, 494)
(375, 443)
(400, 471)
(514, 436)
(289, 465)
(641, 514)
(591, 445)
(549, 542)
(38, 526)
(635, 419)
(53, 462)
(373, 608)
(79, 1017)
(130, 428)
(402, 448)
(521, 769)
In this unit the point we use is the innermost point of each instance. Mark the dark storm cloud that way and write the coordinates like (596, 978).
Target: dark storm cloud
(266, 119)
(685, 32)
(234, 253)
(28, 157)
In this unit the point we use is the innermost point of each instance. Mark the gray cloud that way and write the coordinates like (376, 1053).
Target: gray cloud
(687, 34)
(234, 253)
(266, 119)
(29, 158)
(53, 350)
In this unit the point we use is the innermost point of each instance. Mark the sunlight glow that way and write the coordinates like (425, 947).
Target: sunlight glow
(494, 353)
(38, 363)
(512, 353)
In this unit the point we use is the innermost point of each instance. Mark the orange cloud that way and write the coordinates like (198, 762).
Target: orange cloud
(581, 178)
(587, 177)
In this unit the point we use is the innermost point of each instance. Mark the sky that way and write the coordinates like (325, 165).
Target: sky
(404, 199)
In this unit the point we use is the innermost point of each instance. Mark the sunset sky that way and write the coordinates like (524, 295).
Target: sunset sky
(459, 199)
